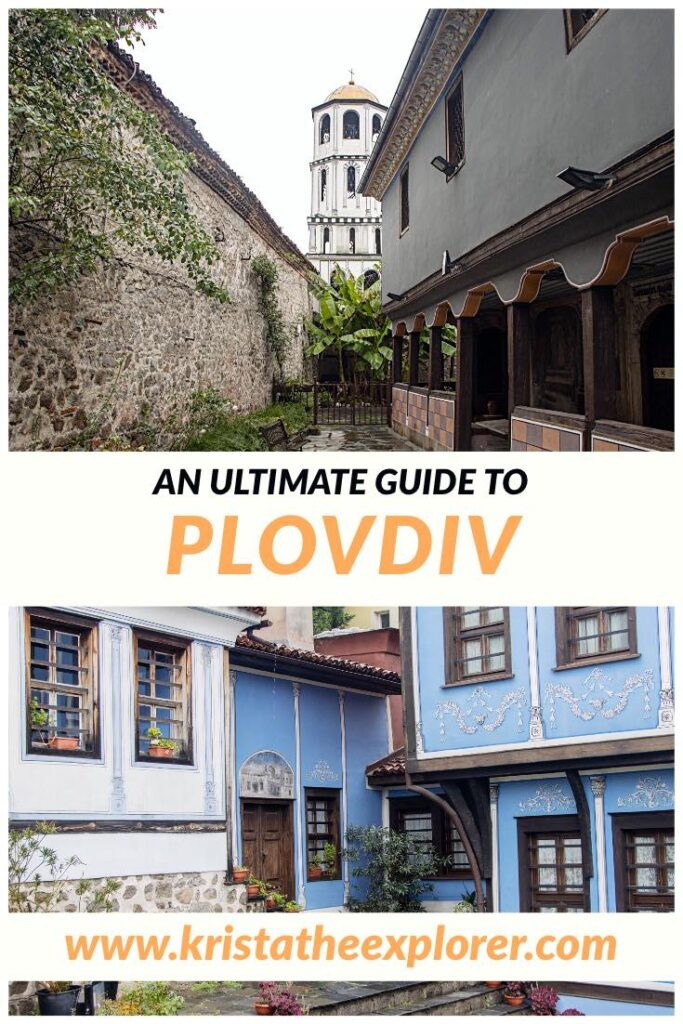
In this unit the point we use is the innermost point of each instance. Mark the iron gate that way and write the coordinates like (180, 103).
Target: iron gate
(363, 404)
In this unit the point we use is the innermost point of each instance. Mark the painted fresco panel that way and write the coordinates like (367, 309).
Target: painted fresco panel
(615, 696)
(477, 714)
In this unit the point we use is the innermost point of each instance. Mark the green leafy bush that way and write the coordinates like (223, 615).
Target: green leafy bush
(147, 999)
(390, 868)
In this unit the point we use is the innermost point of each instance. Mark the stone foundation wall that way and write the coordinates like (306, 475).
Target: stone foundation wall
(22, 998)
(181, 892)
(137, 335)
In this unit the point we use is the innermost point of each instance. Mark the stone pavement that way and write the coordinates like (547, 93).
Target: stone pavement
(342, 438)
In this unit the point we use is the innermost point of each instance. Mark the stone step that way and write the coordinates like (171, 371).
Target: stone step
(468, 1000)
(387, 999)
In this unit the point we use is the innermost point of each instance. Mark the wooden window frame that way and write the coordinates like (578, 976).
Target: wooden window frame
(558, 824)
(574, 38)
(163, 641)
(622, 824)
(404, 189)
(312, 793)
(453, 640)
(563, 657)
(460, 163)
(440, 831)
(89, 629)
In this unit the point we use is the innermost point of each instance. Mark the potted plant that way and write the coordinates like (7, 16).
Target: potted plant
(240, 873)
(543, 1000)
(159, 746)
(39, 719)
(315, 868)
(273, 1000)
(63, 742)
(291, 907)
(253, 888)
(57, 998)
(514, 993)
(279, 901)
(262, 1003)
(330, 858)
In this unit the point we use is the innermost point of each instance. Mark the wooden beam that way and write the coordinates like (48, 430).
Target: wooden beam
(584, 815)
(480, 800)
(414, 358)
(456, 797)
(519, 355)
(600, 355)
(464, 371)
(435, 359)
(397, 360)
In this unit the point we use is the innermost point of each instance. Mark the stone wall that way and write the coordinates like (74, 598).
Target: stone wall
(188, 892)
(137, 334)
(22, 998)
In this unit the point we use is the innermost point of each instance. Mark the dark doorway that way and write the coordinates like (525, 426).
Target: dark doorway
(490, 373)
(267, 844)
(657, 368)
(557, 361)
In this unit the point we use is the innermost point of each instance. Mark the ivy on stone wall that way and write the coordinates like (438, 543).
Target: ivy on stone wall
(276, 332)
(91, 173)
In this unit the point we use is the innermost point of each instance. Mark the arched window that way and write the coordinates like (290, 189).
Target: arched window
(324, 129)
(351, 125)
(352, 240)
(326, 240)
(376, 126)
(323, 185)
(351, 181)
(378, 241)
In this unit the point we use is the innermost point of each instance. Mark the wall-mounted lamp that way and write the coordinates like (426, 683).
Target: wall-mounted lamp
(395, 297)
(592, 180)
(442, 164)
(447, 264)
(369, 278)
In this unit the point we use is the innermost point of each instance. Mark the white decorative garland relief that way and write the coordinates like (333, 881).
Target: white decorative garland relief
(651, 791)
(549, 798)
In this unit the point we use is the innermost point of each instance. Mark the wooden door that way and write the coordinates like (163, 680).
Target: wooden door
(557, 361)
(657, 367)
(267, 844)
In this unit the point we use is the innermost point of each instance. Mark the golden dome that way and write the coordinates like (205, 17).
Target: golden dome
(351, 91)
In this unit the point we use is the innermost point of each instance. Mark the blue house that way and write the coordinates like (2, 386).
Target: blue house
(539, 755)
(259, 759)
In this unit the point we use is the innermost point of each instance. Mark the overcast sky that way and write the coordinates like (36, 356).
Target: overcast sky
(249, 74)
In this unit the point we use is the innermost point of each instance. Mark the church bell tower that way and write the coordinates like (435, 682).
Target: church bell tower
(345, 228)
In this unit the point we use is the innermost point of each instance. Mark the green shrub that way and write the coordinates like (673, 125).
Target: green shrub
(147, 999)
(390, 869)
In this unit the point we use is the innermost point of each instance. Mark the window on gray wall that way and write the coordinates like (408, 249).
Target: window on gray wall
(378, 241)
(405, 200)
(455, 127)
(352, 240)
(578, 23)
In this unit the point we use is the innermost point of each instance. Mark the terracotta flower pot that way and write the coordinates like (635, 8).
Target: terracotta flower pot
(270, 903)
(252, 892)
(513, 1000)
(63, 742)
(240, 874)
(262, 1009)
(314, 872)
(493, 984)
(160, 751)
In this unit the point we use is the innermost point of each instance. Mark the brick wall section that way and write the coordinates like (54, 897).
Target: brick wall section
(442, 423)
(399, 408)
(418, 408)
(541, 437)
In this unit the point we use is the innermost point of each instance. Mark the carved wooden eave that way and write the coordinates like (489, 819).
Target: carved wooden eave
(209, 166)
(447, 45)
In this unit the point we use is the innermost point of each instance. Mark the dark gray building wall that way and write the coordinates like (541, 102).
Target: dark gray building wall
(531, 109)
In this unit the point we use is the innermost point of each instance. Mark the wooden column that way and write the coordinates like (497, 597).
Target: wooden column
(397, 360)
(414, 358)
(464, 364)
(519, 355)
(600, 356)
(435, 360)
